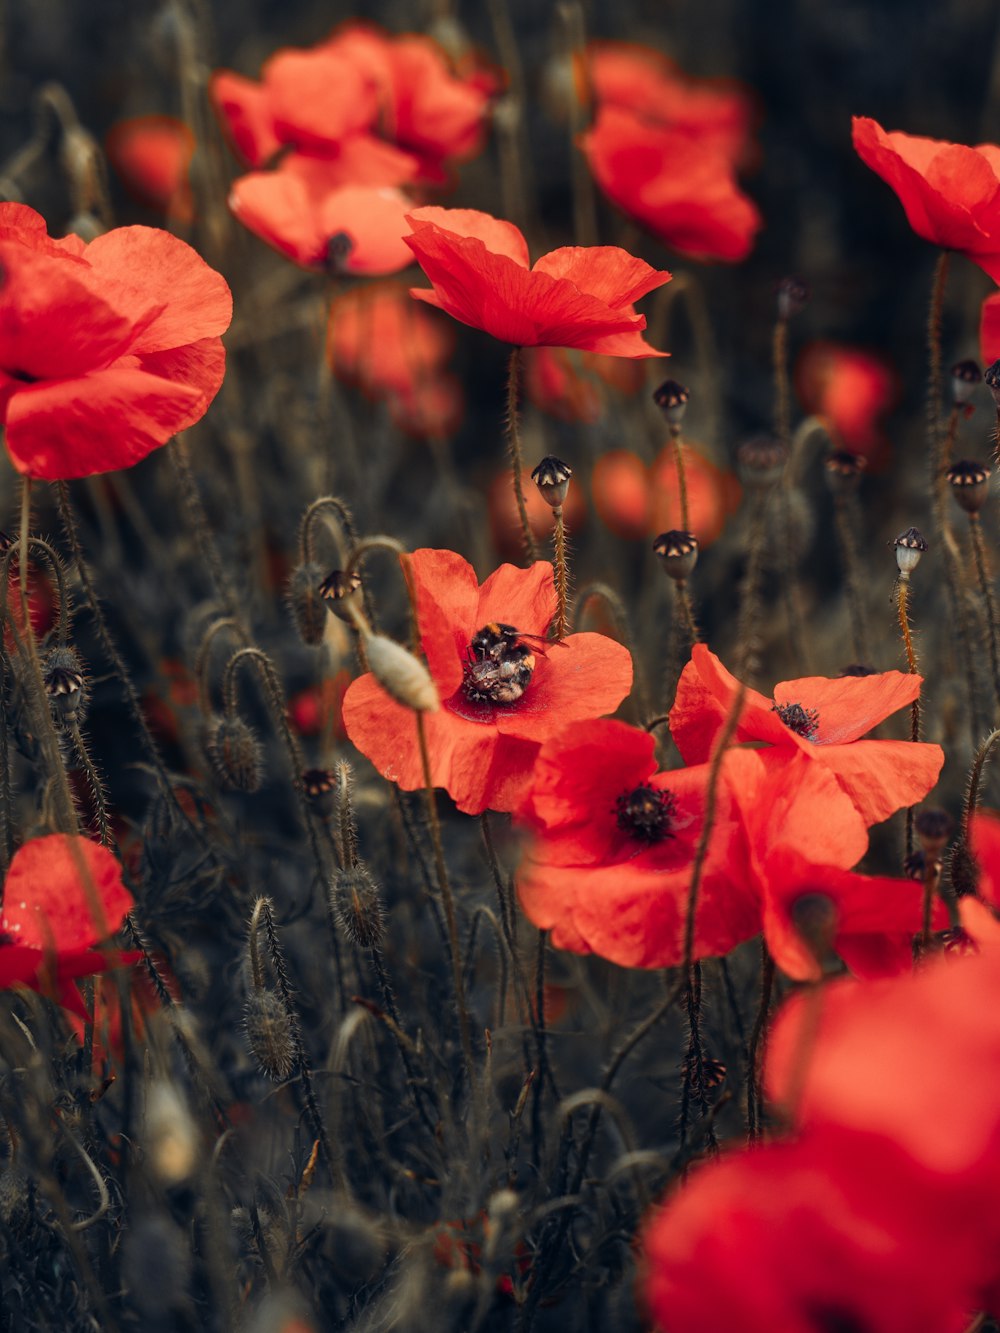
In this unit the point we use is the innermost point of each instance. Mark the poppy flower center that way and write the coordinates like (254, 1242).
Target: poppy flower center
(498, 665)
(803, 721)
(645, 814)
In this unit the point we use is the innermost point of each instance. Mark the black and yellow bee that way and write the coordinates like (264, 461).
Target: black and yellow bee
(499, 663)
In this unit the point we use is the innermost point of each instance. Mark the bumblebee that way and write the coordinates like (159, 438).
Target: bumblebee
(499, 664)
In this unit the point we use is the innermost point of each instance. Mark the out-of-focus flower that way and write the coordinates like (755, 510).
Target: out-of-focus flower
(573, 385)
(503, 690)
(107, 349)
(637, 501)
(851, 390)
(572, 297)
(822, 719)
(679, 186)
(951, 193)
(989, 330)
(152, 155)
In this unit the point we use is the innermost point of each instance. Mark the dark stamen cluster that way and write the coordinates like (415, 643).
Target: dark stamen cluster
(803, 721)
(645, 814)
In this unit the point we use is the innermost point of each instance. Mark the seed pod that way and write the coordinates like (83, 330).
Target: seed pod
(672, 400)
(910, 546)
(970, 484)
(843, 471)
(65, 685)
(342, 593)
(401, 674)
(355, 900)
(934, 828)
(678, 552)
(551, 476)
(269, 1034)
(305, 602)
(234, 753)
(965, 375)
(792, 295)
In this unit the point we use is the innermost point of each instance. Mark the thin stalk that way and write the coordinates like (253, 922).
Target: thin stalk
(578, 108)
(754, 1099)
(842, 514)
(747, 632)
(682, 490)
(902, 611)
(200, 526)
(561, 572)
(687, 610)
(932, 878)
(782, 389)
(975, 779)
(986, 587)
(934, 377)
(514, 449)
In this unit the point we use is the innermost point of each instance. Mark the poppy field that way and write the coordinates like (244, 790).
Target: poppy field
(499, 668)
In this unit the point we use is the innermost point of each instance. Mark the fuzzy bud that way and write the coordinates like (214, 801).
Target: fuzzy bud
(269, 1034)
(305, 602)
(934, 828)
(965, 375)
(171, 1138)
(551, 476)
(672, 400)
(341, 590)
(234, 753)
(678, 552)
(970, 484)
(910, 546)
(792, 295)
(318, 783)
(356, 904)
(400, 674)
(65, 685)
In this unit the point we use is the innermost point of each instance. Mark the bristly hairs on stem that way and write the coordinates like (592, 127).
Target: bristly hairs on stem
(963, 867)
(513, 433)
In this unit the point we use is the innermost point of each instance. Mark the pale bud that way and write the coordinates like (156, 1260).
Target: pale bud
(401, 674)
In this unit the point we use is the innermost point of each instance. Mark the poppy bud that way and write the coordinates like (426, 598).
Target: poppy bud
(843, 471)
(678, 552)
(305, 601)
(401, 674)
(992, 377)
(318, 784)
(965, 375)
(171, 1138)
(672, 400)
(65, 684)
(970, 484)
(551, 476)
(933, 827)
(355, 901)
(342, 593)
(269, 1033)
(792, 294)
(234, 753)
(761, 461)
(910, 546)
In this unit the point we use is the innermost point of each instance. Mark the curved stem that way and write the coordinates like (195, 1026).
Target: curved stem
(934, 314)
(975, 528)
(902, 610)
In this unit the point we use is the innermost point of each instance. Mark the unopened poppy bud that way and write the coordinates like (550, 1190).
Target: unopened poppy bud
(318, 783)
(992, 377)
(970, 484)
(338, 252)
(341, 590)
(305, 602)
(234, 753)
(65, 684)
(910, 546)
(551, 476)
(678, 552)
(814, 916)
(792, 294)
(400, 674)
(761, 460)
(843, 471)
(170, 1137)
(672, 400)
(355, 900)
(268, 1027)
(965, 375)
(934, 828)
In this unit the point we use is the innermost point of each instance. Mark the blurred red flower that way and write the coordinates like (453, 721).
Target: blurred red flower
(819, 718)
(152, 155)
(62, 896)
(989, 330)
(851, 390)
(951, 193)
(680, 186)
(572, 297)
(572, 385)
(505, 522)
(635, 500)
(482, 749)
(107, 349)
(378, 339)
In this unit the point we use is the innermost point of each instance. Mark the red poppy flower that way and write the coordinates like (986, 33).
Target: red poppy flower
(836, 1231)
(679, 186)
(572, 297)
(989, 330)
(951, 193)
(635, 78)
(380, 340)
(820, 718)
(431, 410)
(573, 385)
(608, 868)
(61, 897)
(505, 522)
(107, 349)
(152, 155)
(636, 501)
(305, 212)
(851, 390)
(483, 741)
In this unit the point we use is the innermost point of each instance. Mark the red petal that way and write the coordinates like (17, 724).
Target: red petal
(139, 266)
(319, 97)
(448, 599)
(431, 109)
(524, 598)
(583, 769)
(499, 237)
(374, 219)
(108, 420)
(850, 706)
(989, 329)
(882, 777)
(605, 271)
(705, 694)
(585, 676)
(244, 109)
(63, 893)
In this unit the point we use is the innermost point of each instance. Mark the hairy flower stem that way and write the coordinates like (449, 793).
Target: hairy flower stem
(902, 611)
(561, 572)
(747, 625)
(843, 519)
(514, 449)
(934, 377)
(448, 902)
(687, 611)
(755, 1061)
(783, 431)
(682, 490)
(200, 526)
(95, 782)
(979, 550)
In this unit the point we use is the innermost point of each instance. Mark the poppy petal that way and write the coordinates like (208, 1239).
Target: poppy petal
(584, 676)
(448, 599)
(244, 110)
(498, 236)
(55, 888)
(849, 706)
(605, 271)
(705, 694)
(525, 599)
(882, 777)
